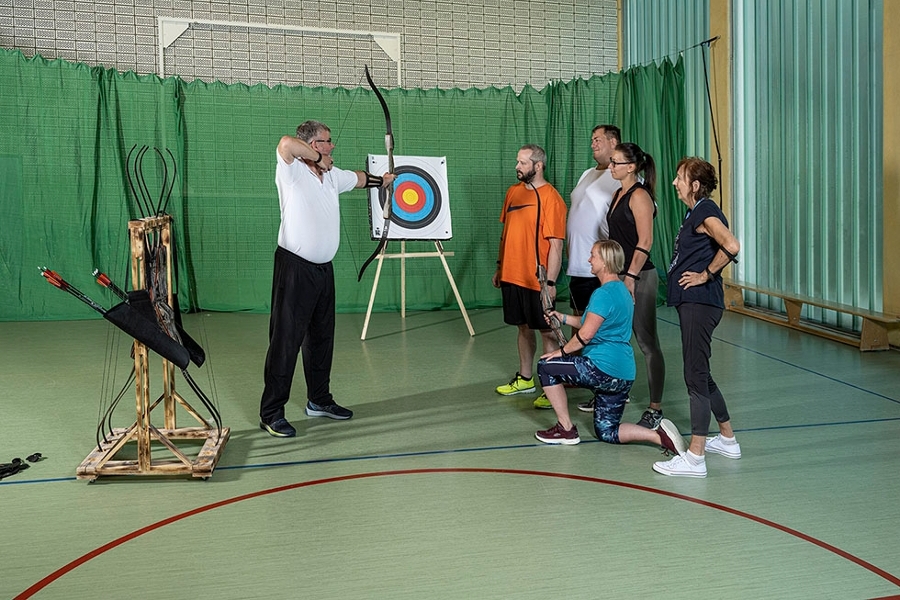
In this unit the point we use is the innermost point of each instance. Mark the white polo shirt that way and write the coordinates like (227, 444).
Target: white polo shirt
(310, 210)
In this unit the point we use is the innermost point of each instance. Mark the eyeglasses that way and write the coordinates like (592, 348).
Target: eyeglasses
(614, 163)
(328, 141)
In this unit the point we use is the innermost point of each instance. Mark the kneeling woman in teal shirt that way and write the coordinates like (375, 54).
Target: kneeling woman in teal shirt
(605, 364)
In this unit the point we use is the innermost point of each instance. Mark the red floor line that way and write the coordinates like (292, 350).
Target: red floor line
(293, 486)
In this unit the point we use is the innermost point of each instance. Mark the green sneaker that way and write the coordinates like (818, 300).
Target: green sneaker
(518, 385)
(542, 401)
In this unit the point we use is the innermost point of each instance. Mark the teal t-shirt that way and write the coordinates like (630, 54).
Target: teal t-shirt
(610, 348)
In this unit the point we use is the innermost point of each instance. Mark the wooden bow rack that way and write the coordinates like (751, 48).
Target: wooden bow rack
(165, 449)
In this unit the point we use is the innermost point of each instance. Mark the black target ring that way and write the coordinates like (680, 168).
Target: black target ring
(417, 198)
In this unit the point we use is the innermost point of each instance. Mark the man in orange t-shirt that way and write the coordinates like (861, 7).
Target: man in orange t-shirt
(516, 274)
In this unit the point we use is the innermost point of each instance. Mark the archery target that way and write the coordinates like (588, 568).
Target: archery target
(420, 207)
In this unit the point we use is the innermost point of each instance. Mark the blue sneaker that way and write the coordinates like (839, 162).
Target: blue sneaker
(278, 428)
(332, 411)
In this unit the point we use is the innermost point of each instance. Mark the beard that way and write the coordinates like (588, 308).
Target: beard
(526, 177)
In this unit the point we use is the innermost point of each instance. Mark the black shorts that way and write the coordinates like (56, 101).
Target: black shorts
(580, 290)
(522, 306)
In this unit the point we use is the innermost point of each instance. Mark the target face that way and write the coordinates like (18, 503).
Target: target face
(420, 207)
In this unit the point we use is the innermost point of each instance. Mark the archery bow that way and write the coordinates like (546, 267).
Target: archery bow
(546, 300)
(389, 192)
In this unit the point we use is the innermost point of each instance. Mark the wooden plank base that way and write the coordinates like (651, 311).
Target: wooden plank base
(101, 461)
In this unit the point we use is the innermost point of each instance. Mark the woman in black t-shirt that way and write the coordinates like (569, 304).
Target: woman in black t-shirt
(704, 246)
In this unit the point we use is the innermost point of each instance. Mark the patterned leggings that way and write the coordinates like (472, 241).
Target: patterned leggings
(610, 392)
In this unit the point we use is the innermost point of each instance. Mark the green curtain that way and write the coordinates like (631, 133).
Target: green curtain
(576, 107)
(651, 109)
(66, 131)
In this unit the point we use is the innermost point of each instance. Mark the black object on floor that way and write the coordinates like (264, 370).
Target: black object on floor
(17, 465)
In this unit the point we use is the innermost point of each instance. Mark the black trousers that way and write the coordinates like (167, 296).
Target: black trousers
(302, 319)
(698, 321)
(580, 290)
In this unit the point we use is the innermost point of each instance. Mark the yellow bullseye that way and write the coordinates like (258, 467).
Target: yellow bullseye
(409, 197)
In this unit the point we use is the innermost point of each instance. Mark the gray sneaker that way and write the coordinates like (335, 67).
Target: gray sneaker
(651, 418)
(587, 407)
(332, 411)
(717, 445)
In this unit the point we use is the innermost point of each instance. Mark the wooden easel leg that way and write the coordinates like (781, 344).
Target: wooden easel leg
(403, 280)
(372, 295)
(462, 307)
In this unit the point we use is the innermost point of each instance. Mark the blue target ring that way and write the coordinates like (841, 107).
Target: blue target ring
(416, 200)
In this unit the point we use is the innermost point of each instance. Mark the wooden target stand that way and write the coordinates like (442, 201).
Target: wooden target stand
(403, 255)
(102, 461)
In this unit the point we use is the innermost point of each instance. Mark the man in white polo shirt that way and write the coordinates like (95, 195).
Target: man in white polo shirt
(303, 298)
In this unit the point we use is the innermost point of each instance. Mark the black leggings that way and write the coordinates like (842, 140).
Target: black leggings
(698, 321)
(644, 327)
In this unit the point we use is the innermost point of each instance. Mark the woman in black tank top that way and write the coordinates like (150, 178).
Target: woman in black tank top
(630, 219)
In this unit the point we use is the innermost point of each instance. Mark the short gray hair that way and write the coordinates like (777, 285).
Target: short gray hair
(537, 153)
(308, 130)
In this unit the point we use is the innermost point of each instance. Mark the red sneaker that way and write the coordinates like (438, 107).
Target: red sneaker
(558, 435)
(670, 439)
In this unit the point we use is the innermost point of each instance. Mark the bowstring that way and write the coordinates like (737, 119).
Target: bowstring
(337, 138)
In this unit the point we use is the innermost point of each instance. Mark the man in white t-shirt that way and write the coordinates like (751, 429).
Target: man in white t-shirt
(303, 299)
(586, 224)
(587, 216)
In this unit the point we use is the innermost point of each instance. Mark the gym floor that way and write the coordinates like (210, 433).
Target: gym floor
(437, 488)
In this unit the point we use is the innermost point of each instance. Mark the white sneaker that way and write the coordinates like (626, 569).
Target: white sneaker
(681, 466)
(718, 445)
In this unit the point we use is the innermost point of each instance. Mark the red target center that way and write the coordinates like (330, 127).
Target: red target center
(410, 196)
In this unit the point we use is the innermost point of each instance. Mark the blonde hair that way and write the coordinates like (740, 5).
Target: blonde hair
(611, 254)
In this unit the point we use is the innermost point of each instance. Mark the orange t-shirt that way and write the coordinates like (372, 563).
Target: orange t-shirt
(519, 218)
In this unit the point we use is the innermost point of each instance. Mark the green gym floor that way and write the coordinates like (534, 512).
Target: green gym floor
(437, 488)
